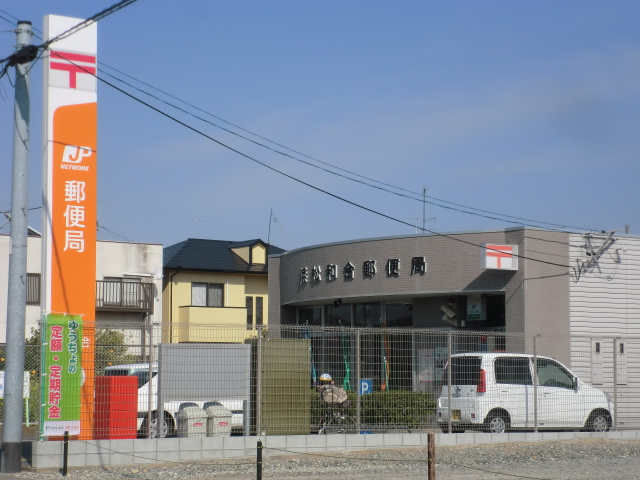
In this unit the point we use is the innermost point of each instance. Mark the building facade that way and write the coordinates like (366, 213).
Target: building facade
(519, 281)
(214, 282)
(128, 287)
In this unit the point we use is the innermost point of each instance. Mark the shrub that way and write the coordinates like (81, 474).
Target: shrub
(393, 409)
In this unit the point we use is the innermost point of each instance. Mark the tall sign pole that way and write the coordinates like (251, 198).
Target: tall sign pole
(69, 202)
(17, 293)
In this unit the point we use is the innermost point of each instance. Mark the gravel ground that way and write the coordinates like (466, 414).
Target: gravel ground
(582, 459)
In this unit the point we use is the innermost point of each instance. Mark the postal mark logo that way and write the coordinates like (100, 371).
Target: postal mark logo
(74, 155)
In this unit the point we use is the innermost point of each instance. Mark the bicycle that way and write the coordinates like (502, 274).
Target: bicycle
(337, 420)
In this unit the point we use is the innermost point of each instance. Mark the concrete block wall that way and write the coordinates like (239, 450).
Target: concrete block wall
(94, 453)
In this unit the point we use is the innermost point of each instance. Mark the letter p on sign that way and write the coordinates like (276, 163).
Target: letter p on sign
(73, 154)
(366, 386)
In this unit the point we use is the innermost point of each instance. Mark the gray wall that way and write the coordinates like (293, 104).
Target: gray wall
(536, 295)
(452, 266)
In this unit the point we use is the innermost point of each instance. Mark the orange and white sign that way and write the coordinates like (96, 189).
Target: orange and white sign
(499, 257)
(70, 187)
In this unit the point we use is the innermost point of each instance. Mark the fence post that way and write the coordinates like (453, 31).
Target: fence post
(65, 454)
(449, 380)
(259, 461)
(159, 400)
(615, 384)
(535, 385)
(149, 358)
(358, 393)
(431, 456)
(259, 382)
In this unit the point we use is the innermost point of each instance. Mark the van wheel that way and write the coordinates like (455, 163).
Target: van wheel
(598, 422)
(496, 422)
(153, 431)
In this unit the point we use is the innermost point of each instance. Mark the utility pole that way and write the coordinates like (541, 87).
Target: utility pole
(17, 294)
(424, 205)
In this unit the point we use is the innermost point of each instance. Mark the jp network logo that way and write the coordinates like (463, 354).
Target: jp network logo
(75, 155)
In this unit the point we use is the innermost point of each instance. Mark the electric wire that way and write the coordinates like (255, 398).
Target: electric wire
(533, 223)
(177, 462)
(302, 182)
(316, 159)
(324, 169)
(115, 234)
(85, 23)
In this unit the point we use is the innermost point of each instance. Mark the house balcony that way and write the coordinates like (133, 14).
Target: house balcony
(124, 296)
(211, 324)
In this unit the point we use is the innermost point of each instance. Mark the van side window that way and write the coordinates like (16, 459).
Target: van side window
(513, 370)
(465, 371)
(552, 374)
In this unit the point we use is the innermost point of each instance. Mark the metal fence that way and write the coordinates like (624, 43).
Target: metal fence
(31, 387)
(272, 380)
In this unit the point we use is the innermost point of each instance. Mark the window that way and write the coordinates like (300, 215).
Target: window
(368, 314)
(312, 316)
(33, 289)
(552, 374)
(249, 313)
(513, 371)
(337, 315)
(258, 310)
(207, 294)
(399, 314)
(466, 371)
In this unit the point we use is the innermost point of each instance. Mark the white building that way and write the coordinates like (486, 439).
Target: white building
(128, 287)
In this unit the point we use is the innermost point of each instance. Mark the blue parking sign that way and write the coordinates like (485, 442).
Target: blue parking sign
(366, 386)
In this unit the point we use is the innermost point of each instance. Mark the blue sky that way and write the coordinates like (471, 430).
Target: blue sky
(529, 109)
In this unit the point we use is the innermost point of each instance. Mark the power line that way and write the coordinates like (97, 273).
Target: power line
(85, 23)
(422, 200)
(540, 224)
(534, 223)
(193, 129)
(93, 19)
(115, 234)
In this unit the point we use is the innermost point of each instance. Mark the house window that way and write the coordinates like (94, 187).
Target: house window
(33, 289)
(258, 310)
(249, 313)
(207, 294)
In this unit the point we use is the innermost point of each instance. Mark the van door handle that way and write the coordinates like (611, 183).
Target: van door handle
(505, 391)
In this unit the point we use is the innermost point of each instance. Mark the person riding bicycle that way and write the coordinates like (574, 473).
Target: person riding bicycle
(336, 402)
(330, 393)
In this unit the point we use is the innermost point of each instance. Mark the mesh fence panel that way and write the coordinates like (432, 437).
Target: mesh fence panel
(31, 388)
(230, 380)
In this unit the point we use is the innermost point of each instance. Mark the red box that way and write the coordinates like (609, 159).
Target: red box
(116, 413)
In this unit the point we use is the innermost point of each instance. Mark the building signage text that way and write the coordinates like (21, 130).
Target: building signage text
(369, 270)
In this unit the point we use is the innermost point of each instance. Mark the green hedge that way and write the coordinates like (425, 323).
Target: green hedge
(400, 409)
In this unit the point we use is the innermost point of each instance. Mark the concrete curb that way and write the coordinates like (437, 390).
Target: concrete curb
(86, 453)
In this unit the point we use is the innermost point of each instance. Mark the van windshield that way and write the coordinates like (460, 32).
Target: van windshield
(465, 371)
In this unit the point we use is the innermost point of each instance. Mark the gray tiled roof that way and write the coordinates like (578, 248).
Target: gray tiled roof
(213, 256)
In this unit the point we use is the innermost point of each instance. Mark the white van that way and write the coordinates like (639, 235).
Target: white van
(494, 392)
(147, 401)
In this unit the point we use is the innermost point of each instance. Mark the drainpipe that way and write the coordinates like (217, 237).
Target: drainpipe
(171, 304)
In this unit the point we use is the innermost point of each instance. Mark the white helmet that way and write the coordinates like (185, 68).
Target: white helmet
(325, 377)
